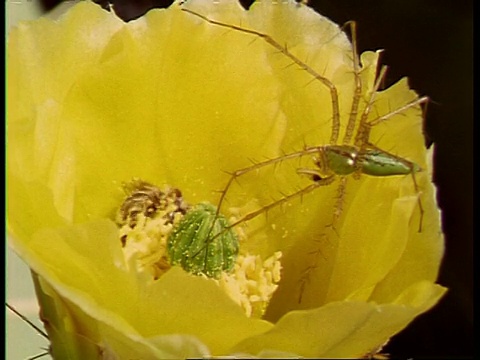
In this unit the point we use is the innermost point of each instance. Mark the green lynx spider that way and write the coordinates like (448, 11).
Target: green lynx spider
(332, 160)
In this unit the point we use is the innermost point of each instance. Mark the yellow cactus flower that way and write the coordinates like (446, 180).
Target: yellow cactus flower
(181, 103)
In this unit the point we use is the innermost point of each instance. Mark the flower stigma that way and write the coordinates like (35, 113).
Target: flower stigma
(158, 229)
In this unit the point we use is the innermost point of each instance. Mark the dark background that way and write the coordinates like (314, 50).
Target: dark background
(431, 42)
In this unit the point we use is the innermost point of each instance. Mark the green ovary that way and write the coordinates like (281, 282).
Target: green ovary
(201, 248)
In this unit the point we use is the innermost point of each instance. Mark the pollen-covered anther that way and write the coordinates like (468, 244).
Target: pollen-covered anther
(253, 282)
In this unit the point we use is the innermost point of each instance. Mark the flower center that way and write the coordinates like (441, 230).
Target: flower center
(158, 230)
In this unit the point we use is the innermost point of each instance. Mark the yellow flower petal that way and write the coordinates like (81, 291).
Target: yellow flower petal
(174, 100)
(343, 329)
